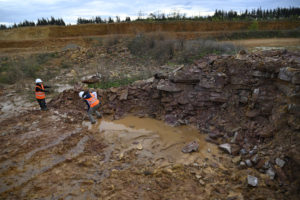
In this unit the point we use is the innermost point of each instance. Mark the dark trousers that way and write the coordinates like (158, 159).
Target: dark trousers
(42, 103)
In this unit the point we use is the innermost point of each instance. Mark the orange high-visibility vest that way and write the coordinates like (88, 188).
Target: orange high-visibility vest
(40, 95)
(93, 101)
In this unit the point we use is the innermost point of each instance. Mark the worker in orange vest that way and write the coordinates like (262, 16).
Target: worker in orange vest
(93, 104)
(40, 94)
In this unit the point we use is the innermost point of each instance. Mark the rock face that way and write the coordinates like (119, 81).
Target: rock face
(259, 93)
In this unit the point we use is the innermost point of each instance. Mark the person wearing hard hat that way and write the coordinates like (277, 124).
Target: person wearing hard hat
(93, 104)
(40, 93)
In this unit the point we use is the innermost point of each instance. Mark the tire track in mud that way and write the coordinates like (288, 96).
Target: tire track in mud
(14, 163)
(30, 171)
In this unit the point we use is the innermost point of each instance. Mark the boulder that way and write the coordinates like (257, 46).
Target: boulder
(294, 109)
(167, 86)
(91, 79)
(123, 94)
(191, 147)
(189, 76)
(289, 74)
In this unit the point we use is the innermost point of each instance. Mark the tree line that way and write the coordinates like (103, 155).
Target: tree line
(255, 14)
(40, 22)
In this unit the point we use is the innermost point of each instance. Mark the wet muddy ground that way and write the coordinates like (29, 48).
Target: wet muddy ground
(47, 155)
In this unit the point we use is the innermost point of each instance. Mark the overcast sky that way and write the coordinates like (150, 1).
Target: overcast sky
(15, 11)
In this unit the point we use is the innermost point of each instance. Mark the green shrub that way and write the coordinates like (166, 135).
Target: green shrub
(14, 71)
(177, 50)
(254, 26)
(65, 65)
(45, 57)
(114, 82)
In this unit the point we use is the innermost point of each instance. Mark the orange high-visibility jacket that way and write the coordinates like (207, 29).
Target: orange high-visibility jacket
(40, 95)
(92, 101)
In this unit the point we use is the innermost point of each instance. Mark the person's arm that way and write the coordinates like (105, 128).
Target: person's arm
(45, 86)
(40, 90)
(95, 93)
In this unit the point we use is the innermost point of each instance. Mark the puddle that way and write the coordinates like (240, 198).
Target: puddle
(155, 141)
(268, 48)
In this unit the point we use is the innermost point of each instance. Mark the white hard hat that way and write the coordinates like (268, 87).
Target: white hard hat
(38, 80)
(81, 94)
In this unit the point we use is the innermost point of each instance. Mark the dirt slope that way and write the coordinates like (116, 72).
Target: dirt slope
(48, 32)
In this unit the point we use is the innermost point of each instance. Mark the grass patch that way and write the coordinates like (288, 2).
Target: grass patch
(45, 57)
(14, 70)
(114, 82)
(108, 81)
(65, 64)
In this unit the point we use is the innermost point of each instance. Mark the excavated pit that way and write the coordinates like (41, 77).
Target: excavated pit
(248, 103)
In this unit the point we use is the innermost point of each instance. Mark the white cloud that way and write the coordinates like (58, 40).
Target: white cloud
(18, 10)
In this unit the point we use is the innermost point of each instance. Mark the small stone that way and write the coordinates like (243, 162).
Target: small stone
(234, 137)
(213, 135)
(201, 182)
(225, 147)
(266, 165)
(279, 162)
(248, 163)
(195, 164)
(208, 150)
(4, 133)
(271, 173)
(139, 146)
(121, 155)
(236, 159)
(243, 151)
(252, 180)
(192, 146)
(242, 164)
(198, 176)
(255, 159)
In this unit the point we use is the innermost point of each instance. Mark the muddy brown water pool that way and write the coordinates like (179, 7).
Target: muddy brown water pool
(155, 140)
